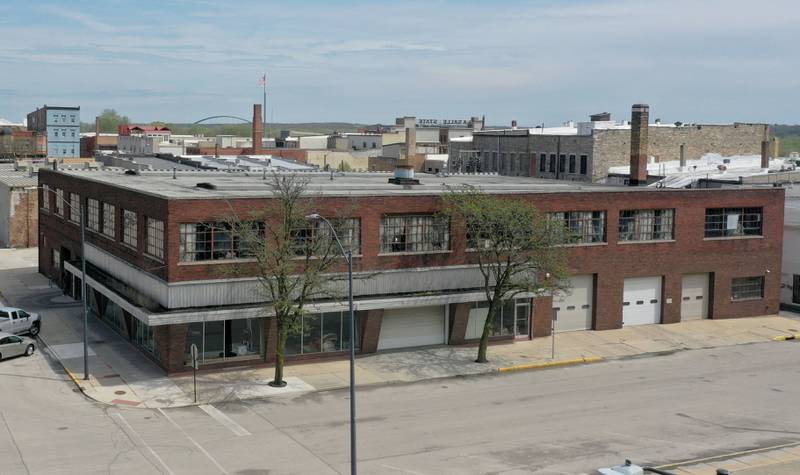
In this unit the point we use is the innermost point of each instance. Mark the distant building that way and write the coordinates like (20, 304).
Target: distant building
(61, 127)
(585, 151)
(146, 139)
(19, 209)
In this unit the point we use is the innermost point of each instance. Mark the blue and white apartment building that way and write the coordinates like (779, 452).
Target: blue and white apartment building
(62, 127)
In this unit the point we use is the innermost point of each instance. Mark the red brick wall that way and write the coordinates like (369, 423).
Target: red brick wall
(611, 262)
(24, 219)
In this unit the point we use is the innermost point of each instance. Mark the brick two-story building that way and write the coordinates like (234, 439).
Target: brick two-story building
(159, 263)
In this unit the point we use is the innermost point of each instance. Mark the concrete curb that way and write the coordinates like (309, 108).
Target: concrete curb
(796, 336)
(75, 380)
(550, 364)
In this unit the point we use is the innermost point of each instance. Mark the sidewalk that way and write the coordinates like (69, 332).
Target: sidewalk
(121, 375)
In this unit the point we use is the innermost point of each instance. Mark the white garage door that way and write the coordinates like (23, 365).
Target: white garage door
(641, 301)
(575, 307)
(414, 326)
(694, 297)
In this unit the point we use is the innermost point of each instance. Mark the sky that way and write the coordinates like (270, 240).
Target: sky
(369, 62)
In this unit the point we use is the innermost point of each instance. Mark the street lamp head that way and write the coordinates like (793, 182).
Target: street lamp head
(313, 216)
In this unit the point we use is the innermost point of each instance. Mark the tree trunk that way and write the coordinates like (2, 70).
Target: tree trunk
(278, 381)
(487, 328)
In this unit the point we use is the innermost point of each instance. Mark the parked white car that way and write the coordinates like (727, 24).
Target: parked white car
(14, 345)
(18, 321)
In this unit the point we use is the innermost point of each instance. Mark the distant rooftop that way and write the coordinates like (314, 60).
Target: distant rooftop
(227, 185)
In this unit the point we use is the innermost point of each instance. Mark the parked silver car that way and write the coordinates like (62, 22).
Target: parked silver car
(15, 345)
(18, 321)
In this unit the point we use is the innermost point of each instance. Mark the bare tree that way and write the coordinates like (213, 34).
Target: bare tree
(294, 256)
(517, 249)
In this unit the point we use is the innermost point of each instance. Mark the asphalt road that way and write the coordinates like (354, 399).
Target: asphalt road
(568, 420)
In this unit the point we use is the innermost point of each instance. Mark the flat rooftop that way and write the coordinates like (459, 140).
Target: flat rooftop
(226, 185)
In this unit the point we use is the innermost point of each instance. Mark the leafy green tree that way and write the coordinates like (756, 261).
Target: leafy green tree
(294, 257)
(518, 250)
(110, 119)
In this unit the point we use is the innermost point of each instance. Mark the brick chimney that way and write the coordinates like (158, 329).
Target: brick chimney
(411, 141)
(639, 118)
(683, 157)
(258, 129)
(764, 155)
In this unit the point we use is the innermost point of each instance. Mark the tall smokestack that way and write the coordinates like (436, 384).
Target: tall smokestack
(96, 133)
(764, 155)
(258, 129)
(683, 157)
(411, 140)
(640, 114)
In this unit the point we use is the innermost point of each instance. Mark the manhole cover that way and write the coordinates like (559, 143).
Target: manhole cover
(119, 393)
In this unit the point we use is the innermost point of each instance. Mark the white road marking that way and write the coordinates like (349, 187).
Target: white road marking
(220, 417)
(401, 469)
(205, 452)
(134, 435)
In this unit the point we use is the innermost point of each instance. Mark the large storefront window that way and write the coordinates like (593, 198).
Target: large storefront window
(129, 327)
(322, 333)
(512, 318)
(226, 340)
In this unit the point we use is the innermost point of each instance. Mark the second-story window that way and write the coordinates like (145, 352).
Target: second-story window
(93, 214)
(414, 233)
(211, 242)
(542, 162)
(45, 197)
(348, 230)
(108, 219)
(74, 208)
(60, 202)
(129, 228)
(583, 227)
(646, 225)
(732, 222)
(155, 238)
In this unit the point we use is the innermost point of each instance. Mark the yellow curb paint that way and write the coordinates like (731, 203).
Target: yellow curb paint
(547, 364)
(796, 336)
(72, 377)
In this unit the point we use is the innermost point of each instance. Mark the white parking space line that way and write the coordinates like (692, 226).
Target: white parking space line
(138, 440)
(205, 452)
(224, 420)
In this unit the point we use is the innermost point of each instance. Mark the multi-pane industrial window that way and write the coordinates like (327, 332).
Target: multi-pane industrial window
(59, 202)
(572, 163)
(646, 224)
(129, 228)
(724, 222)
(562, 163)
(583, 227)
(108, 220)
(552, 163)
(414, 233)
(93, 214)
(542, 162)
(212, 242)
(74, 208)
(747, 288)
(584, 164)
(155, 238)
(46, 197)
(316, 236)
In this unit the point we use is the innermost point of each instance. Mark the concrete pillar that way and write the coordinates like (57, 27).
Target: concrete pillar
(258, 129)
(764, 155)
(640, 115)
(459, 317)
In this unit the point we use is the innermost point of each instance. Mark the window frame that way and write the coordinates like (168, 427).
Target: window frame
(93, 215)
(129, 239)
(154, 244)
(747, 288)
(580, 226)
(638, 226)
(395, 225)
(718, 220)
(108, 220)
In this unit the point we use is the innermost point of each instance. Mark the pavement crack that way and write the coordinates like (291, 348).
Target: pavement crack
(739, 428)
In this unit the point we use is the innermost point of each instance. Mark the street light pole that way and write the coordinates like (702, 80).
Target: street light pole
(348, 255)
(84, 286)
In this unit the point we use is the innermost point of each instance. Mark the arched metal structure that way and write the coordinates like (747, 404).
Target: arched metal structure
(222, 117)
